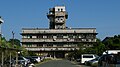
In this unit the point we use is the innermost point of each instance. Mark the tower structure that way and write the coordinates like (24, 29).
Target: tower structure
(57, 17)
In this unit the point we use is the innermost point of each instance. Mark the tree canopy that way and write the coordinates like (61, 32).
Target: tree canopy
(112, 43)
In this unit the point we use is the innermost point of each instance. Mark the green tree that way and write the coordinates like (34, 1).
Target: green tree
(15, 41)
(112, 43)
(99, 47)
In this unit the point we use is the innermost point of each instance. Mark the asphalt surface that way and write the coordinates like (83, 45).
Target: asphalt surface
(60, 63)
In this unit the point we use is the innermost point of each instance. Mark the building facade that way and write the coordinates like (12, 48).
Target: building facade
(57, 40)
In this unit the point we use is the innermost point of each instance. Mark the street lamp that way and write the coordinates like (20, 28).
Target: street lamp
(13, 39)
(1, 21)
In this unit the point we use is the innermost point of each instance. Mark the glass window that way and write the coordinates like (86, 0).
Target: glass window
(87, 56)
(61, 9)
(58, 9)
(59, 36)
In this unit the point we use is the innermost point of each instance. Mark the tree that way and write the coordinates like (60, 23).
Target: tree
(99, 47)
(16, 42)
(112, 43)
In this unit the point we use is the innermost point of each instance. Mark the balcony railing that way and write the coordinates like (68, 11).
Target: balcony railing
(56, 40)
(52, 49)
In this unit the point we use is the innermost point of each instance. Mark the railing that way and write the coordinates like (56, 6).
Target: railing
(57, 40)
(67, 31)
(51, 49)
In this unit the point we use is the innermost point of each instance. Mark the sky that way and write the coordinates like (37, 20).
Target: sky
(104, 15)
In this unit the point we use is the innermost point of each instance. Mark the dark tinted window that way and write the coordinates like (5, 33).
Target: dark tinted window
(87, 56)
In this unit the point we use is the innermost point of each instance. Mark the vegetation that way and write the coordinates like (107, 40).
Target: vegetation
(112, 42)
(109, 43)
(8, 46)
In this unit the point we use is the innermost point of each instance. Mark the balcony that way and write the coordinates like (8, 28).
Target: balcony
(57, 40)
(47, 40)
(52, 49)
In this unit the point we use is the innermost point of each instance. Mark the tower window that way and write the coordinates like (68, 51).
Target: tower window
(61, 19)
(58, 9)
(61, 9)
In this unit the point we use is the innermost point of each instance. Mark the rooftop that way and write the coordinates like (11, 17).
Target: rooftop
(55, 29)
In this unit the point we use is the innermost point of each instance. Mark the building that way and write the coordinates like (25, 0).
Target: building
(57, 40)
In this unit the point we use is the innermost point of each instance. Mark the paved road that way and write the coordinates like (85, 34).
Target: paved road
(59, 63)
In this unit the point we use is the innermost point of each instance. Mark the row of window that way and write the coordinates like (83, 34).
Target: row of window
(48, 45)
(60, 36)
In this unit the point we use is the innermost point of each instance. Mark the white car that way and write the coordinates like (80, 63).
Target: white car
(37, 58)
(87, 57)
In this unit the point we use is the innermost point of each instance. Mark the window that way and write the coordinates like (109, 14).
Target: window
(87, 56)
(58, 9)
(49, 36)
(29, 36)
(59, 36)
(29, 45)
(44, 36)
(70, 35)
(39, 36)
(39, 45)
(61, 9)
(61, 19)
(49, 45)
(60, 45)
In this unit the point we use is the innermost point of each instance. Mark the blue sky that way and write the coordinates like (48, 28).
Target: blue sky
(104, 15)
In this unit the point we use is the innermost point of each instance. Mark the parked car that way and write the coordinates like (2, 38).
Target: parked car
(92, 62)
(22, 61)
(32, 60)
(42, 58)
(109, 60)
(87, 57)
(37, 58)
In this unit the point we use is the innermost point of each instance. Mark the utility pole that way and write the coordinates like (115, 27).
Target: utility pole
(13, 47)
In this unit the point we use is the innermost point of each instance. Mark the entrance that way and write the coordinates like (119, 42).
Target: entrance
(59, 54)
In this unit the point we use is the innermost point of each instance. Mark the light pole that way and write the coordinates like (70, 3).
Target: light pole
(13, 39)
(1, 21)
